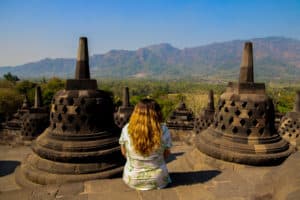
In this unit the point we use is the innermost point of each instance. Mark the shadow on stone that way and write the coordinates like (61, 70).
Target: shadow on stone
(190, 178)
(173, 156)
(8, 167)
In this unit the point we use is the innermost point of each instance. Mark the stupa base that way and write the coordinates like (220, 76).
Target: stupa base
(249, 151)
(30, 176)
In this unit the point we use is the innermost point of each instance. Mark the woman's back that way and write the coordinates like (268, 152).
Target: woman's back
(146, 172)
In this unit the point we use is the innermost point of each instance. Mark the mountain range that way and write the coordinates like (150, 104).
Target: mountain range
(274, 58)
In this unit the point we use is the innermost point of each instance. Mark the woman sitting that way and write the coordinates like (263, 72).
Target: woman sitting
(146, 144)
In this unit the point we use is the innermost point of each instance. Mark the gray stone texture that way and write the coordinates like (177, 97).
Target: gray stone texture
(289, 127)
(243, 129)
(206, 117)
(81, 142)
(124, 112)
(181, 118)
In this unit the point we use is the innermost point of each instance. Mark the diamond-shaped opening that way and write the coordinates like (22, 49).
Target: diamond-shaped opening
(223, 127)
(54, 125)
(237, 112)
(230, 120)
(235, 130)
(70, 118)
(250, 113)
(61, 100)
(216, 124)
(221, 118)
(55, 107)
(261, 130)
(297, 135)
(70, 101)
(77, 110)
(64, 109)
(63, 128)
(59, 117)
(290, 135)
(226, 109)
(248, 131)
(254, 122)
(242, 122)
(244, 104)
(220, 107)
(232, 103)
(293, 130)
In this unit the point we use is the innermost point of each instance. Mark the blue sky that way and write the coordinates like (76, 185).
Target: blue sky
(31, 30)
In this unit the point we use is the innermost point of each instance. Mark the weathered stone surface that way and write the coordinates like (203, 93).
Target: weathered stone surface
(124, 112)
(206, 117)
(243, 129)
(181, 118)
(81, 142)
(289, 127)
(36, 120)
(16, 122)
(195, 175)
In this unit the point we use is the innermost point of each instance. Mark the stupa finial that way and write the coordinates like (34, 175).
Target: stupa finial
(82, 64)
(38, 97)
(246, 70)
(125, 102)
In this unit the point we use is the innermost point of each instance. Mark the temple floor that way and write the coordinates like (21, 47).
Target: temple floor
(194, 176)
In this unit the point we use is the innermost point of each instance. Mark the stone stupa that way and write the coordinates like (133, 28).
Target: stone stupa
(124, 111)
(243, 129)
(81, 142)
(36, 119)
(289, 127)
(181, 118)
(15, 124)
(206, 117)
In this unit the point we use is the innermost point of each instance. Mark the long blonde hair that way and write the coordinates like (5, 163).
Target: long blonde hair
(144, 126)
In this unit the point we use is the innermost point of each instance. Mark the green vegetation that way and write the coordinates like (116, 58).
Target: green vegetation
(10, 77)
(167, 93)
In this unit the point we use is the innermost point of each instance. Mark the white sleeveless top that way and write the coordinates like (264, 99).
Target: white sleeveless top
(146, 173)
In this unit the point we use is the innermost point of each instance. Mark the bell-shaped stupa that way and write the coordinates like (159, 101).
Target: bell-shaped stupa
(206, 117)
(81, 142)
(15, 124)
(36, 120)
(124, 111)
(243, 129)
(289, 127)
(181, 118)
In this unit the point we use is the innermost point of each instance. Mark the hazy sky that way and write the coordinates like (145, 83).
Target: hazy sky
(31, 30)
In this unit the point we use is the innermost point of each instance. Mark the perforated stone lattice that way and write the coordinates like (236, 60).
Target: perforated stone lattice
(122, 116)
(202, 123)
(243, 118)
(289, 128)
(77, 114)
(34, 124)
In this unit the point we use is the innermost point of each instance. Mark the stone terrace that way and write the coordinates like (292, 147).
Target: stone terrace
(194, 175)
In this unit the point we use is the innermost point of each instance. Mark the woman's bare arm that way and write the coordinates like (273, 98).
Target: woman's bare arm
(123, 150)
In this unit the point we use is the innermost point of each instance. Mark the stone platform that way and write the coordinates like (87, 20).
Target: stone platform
(195, 176)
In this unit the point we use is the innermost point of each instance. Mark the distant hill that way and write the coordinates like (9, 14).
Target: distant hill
(274, 58)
